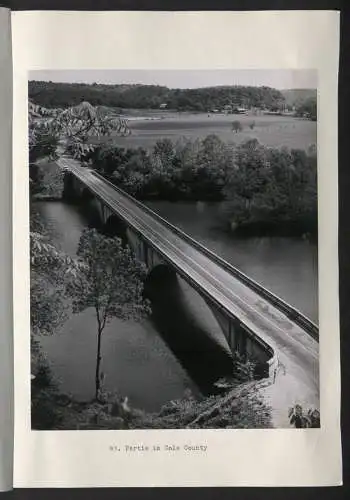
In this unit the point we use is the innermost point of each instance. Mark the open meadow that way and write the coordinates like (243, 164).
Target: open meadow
(274, 131)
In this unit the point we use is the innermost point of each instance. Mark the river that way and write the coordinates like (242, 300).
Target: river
(285, 266)
(136, 361)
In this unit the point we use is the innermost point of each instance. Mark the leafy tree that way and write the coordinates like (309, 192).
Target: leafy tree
(57, 131)
(271, 187)
(213, 162)
(182, 170)
(236, 126)
(110, 282)
(248, 176)
(308, 108)
(43, 143)
(301, 419)
(53, 132)
(51, 270)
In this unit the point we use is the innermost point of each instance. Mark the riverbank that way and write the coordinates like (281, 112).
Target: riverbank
(294, 228)
(268, 190)
(241, 407)
(302, 227)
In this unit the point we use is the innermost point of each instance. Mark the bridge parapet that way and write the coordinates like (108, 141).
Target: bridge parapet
(291, 312)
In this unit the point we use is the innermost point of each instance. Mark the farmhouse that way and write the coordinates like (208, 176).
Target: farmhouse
(227, 108)
(240, 110)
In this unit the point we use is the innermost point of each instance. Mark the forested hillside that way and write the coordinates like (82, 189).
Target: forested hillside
(297, 97)
(50, 94)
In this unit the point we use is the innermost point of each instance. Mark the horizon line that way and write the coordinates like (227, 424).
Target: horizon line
(111, 84)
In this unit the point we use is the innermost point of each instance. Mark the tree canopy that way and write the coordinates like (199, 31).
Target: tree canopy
(261, 184)
(51, 94)
(110, 281)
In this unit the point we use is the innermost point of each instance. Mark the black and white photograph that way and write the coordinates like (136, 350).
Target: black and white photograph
(173, 249)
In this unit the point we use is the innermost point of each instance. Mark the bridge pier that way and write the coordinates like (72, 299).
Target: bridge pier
(69, 193)
(115, 226)
(241, 342)
(143, 250)
(189, 327)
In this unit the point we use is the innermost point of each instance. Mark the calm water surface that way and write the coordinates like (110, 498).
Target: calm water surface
(136, 361)
(285, 266)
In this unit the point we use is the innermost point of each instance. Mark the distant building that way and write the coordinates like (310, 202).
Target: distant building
(163, 106)
(227, 108)
(240, 110)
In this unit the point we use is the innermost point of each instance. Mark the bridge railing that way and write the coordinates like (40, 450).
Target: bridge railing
(291, 312)
(272, 361)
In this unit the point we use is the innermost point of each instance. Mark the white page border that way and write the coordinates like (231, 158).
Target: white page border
(179, 40)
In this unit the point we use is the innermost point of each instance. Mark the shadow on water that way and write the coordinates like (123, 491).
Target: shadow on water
(136, 360)
(188, 327)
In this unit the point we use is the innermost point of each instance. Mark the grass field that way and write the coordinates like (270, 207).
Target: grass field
(275, 131)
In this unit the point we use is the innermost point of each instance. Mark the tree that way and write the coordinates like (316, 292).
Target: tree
(213, 163)
(236, 126)
(301, 419)
(308, 109)
(271, 186)
(70, 129)
(110, 282)
(50, 271)
(252, 125)
(53, 132)
(247, 179)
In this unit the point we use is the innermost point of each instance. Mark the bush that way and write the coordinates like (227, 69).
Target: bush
(42, 145)
(237, 126)
(300, 420)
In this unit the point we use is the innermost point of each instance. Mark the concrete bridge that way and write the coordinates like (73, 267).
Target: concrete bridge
(206, 309)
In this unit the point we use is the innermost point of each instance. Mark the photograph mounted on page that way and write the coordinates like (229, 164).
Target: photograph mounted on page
(173, 249)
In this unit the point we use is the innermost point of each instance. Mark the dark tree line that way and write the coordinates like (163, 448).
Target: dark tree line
(308, 109)
(50, 94)
(270, 188)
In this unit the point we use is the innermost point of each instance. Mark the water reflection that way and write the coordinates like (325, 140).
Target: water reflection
(136, 361)
(286, 266)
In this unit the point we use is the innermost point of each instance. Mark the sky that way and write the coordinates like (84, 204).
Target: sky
(279, 79)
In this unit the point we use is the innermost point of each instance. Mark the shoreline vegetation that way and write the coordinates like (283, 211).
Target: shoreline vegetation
(240, 407)
(267, 191)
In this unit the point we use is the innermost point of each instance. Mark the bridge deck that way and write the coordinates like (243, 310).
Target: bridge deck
(297, 351)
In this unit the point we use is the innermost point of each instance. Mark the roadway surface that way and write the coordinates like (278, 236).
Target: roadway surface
(297, 379)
